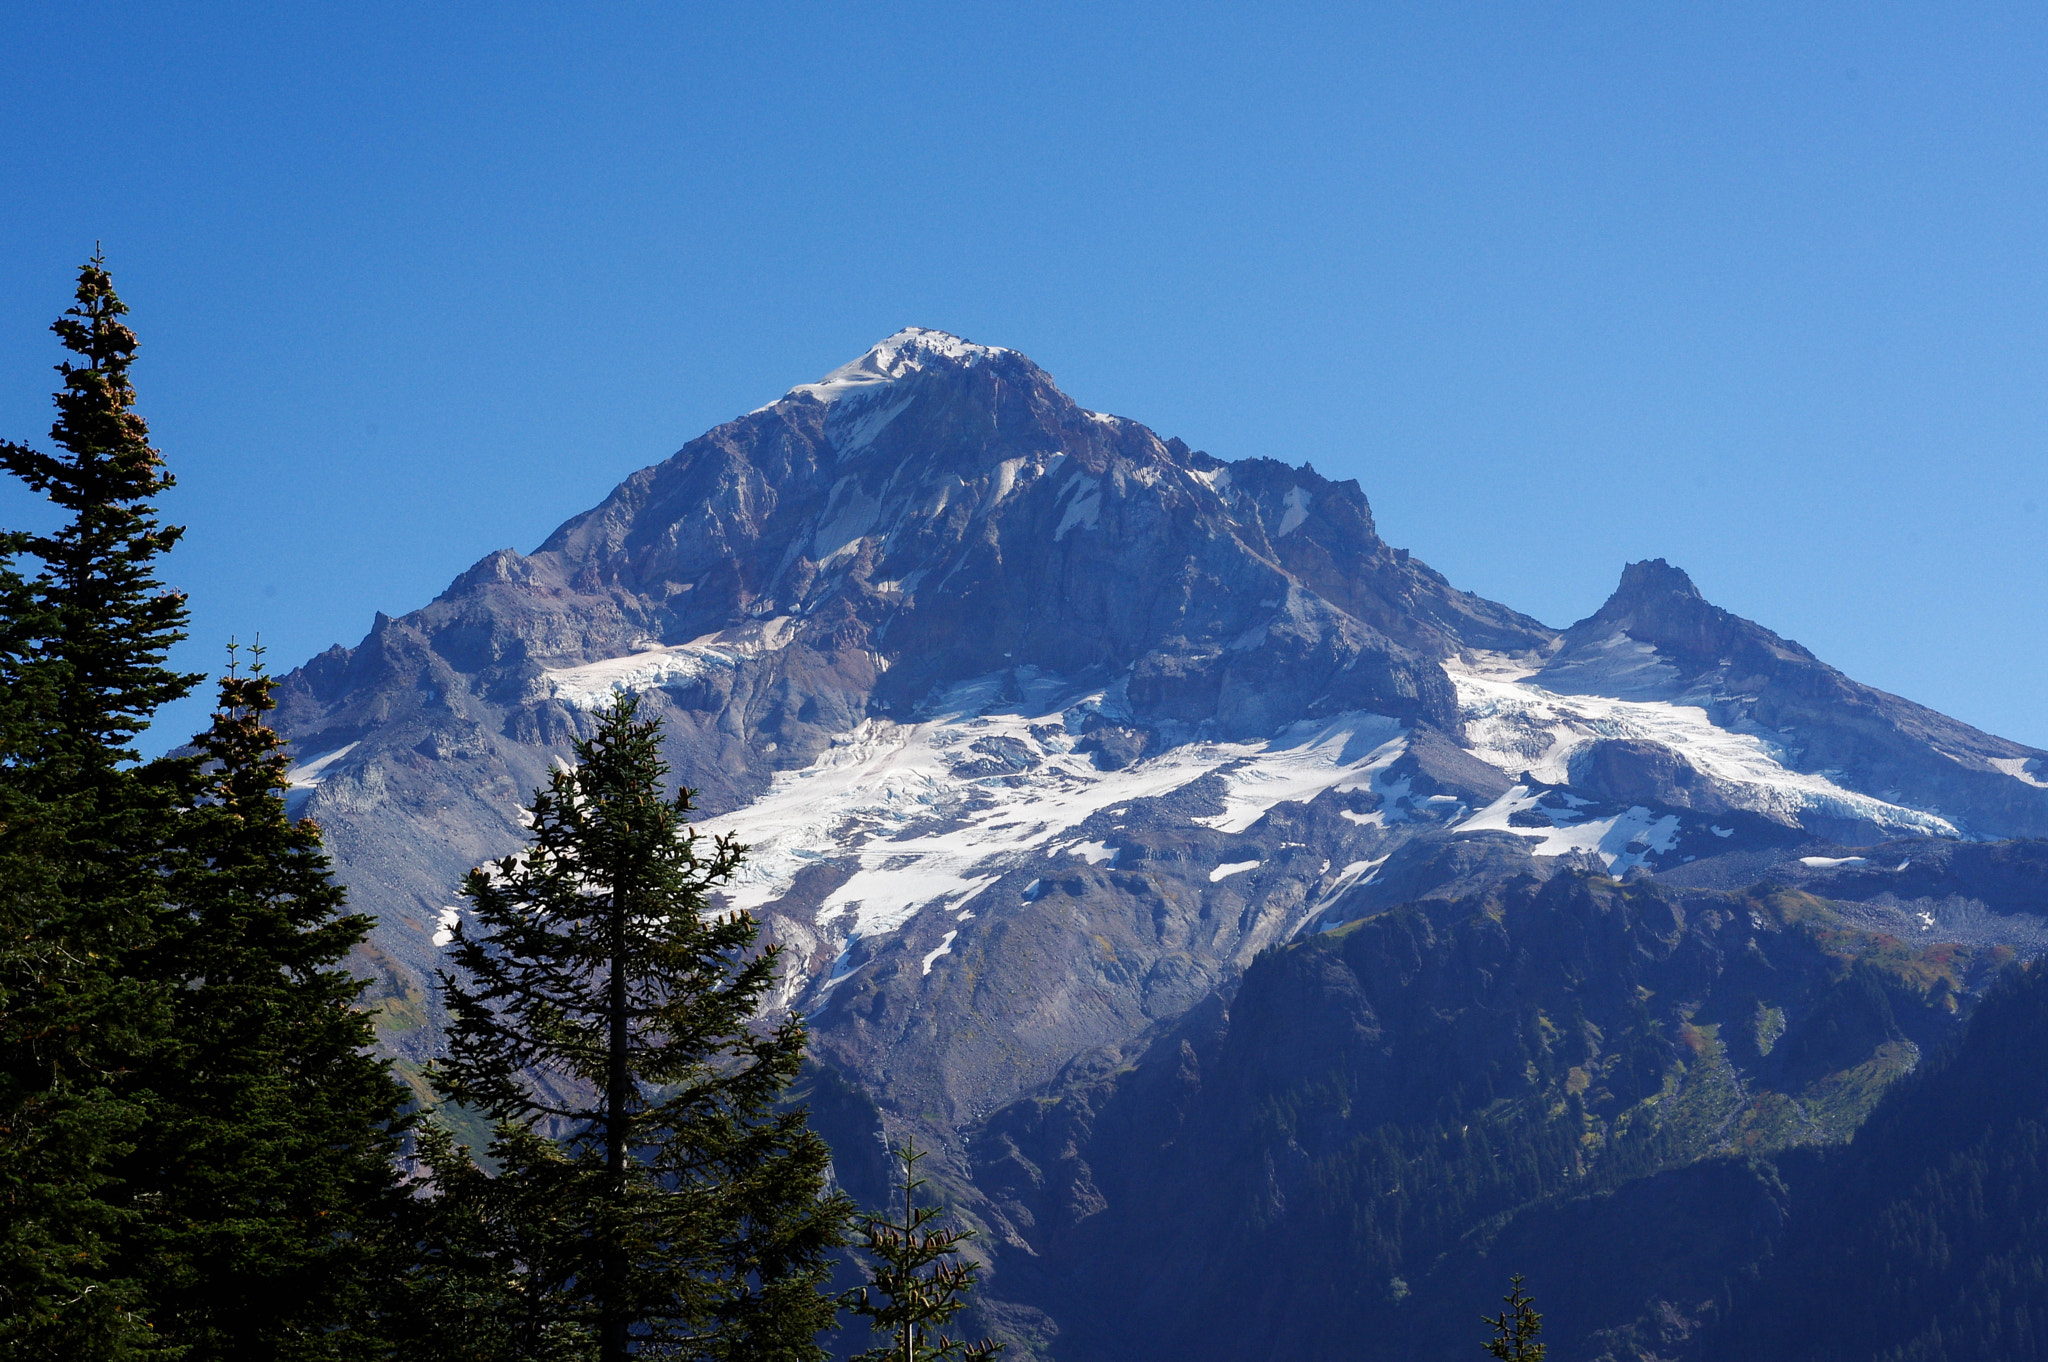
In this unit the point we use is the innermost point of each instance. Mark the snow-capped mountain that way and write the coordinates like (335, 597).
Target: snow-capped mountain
(954, 653)
(1041, 728)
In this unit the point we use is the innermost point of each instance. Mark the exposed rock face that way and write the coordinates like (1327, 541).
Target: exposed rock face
(1631, 771)
(1044, 729)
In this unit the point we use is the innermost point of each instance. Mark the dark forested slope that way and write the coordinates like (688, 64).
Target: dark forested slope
(1567, 1077)
(1926, 1240)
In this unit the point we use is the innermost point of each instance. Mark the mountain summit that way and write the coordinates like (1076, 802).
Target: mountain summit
(906, 352)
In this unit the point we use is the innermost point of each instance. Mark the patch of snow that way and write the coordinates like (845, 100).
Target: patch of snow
(1356, 875)
(1494, 666)
(1296, 503)
(906, 352)
(945, 948)
(444, 926)
(1720, 831)
(847, 518)
(1348, 752)
(309, 775)
(592, 684)
(1249, 639)
(1829, 862)
(842, 968)
(1350, 874)
(1006, 478)
(1621, 841)
(2016, 767)
(1616, 666)
(861, 422)
(1095, 853)
(1229, 868)
(905, 585)
(1519, 727)
(1085, 509)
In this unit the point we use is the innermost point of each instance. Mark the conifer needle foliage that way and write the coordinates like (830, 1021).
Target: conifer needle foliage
(195, 1151)
(917, 1280)
(82, 651)
(264, 1175)
(650, 1198)
(112, 622)
(1515, 1328)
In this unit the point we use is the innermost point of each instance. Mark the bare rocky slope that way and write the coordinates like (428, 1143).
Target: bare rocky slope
(1044, 730)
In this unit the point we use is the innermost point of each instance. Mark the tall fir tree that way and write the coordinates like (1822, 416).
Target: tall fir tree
(83, 651)
(651, 1197)
(917, 1280)
(264, 1174)
(111, 622)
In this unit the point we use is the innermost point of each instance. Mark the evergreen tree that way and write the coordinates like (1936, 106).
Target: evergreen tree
(902, 1298)
(82, 652)
(650, 1198)
(1515, 1328)
(112, 623)
(264, 1173)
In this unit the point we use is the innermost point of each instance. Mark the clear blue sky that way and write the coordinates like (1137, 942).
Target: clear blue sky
(1760, 289)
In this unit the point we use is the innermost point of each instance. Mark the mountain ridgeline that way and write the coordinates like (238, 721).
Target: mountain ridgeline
(1275, 945)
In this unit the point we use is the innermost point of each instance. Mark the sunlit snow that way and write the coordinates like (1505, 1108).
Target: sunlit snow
(1621, 841)
(444, 926)
(888, 360)
(1520, 727)
(1296, 504)
(945, 947)
(592, 684)
(886, 799)
(1349, 752)
(2016, 767)
(1084, 507)
(1356, 875)
(313, 772)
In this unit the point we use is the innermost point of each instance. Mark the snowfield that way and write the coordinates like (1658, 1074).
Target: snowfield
(932, 813)
(1519, 727)
(887, 796)
(591, 685)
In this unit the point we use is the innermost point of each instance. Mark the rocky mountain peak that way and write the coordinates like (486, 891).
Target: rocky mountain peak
(1657, 604)
(1650, 581)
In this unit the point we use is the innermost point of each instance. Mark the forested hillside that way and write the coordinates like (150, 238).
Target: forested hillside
(1926, 1240)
